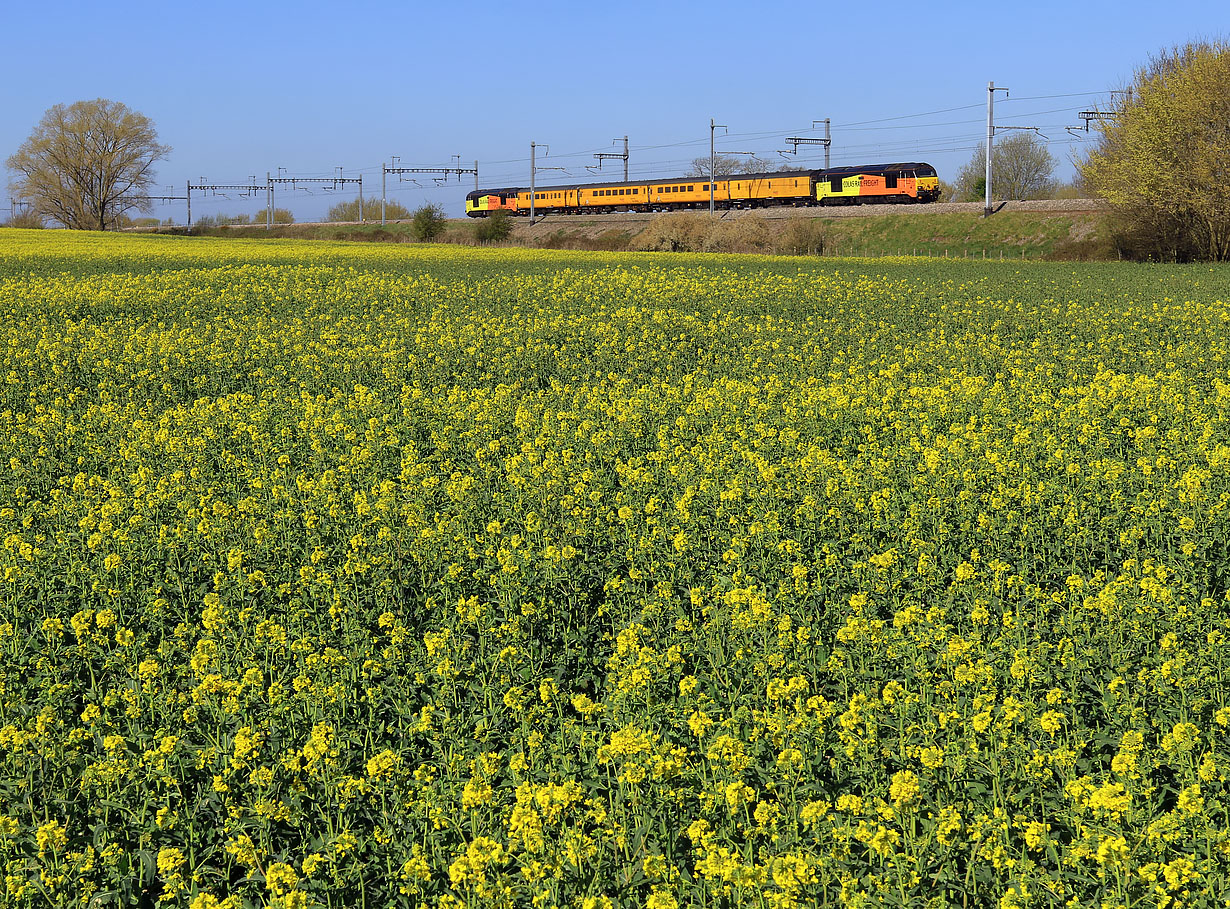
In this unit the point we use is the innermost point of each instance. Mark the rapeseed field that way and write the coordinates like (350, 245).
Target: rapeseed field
(352, 577)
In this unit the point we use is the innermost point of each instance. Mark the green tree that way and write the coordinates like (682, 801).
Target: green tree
(1021, 168)
(87, 164)
(1162, 162)
(428, 222)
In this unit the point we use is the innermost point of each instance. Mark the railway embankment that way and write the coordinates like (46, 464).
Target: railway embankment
(1046, 229)
(1050, 229)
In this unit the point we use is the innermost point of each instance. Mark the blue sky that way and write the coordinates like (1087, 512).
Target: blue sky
(238, 89)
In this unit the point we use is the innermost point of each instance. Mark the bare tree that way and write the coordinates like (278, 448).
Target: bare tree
(723, 166)
(87, 164)
(1021, 169)
(349, 211)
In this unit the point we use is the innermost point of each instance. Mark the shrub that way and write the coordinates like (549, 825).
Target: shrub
(280, 216)
(30, 220)
(495, 228)
(744, 234)
(428, 222)
(803, 237)
(349, 211)
(675, 232)
(688, 232)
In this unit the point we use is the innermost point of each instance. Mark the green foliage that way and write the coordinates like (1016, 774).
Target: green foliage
(1164, 157)
(495, 228)
(428, 223)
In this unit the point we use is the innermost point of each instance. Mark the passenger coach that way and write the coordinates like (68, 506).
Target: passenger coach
(903, 182)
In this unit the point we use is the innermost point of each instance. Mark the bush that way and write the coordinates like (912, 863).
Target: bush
(803, 237)
(687, 232)
(495, 228)
(28, 220)
(427, 223)
(744, 234)
(349, 211)
(280, 216)
(675, 232)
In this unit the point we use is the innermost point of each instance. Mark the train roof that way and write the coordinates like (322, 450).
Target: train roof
(876, 168)
(669, 181)
(656, 181)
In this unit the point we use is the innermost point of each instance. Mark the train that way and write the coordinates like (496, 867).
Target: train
(912, 181)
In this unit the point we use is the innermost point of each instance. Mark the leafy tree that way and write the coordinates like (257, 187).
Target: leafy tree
(1021, 168)
(428, 222)
(87, 164)
(349, 211)
(1163, 158)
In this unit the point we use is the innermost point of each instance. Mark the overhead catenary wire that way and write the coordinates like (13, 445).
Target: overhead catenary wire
(917, 140)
